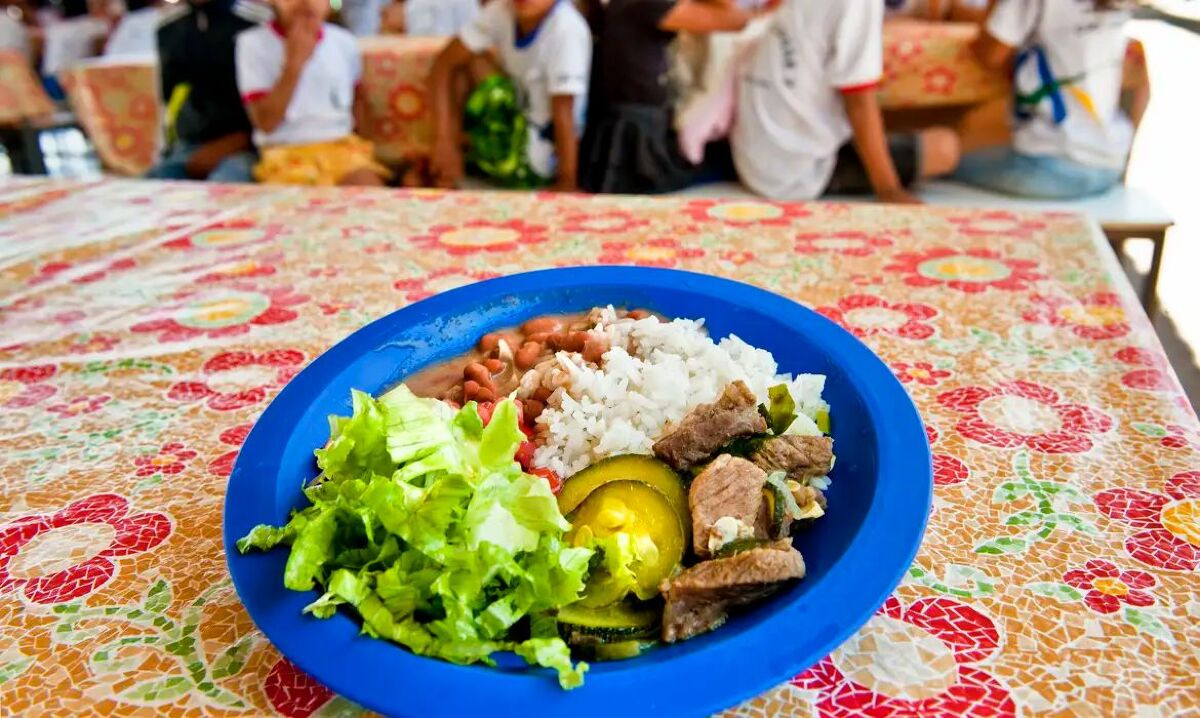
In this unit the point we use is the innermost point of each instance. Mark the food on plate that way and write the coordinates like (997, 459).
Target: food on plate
(576, 488)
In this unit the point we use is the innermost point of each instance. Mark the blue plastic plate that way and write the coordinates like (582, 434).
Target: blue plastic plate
(856, 555)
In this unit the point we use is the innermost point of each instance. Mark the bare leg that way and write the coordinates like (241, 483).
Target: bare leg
(361, 178)
(940, 151)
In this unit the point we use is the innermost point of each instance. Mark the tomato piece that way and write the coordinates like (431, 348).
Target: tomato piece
(549, 475)
(486, 409)
(524, 455)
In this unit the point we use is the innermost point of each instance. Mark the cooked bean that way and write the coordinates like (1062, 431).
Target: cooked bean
(489, 342)
(574, 341)
(541, 325)
(494, 366)
(479, 373)
(639, 314)
(470, 390)
(485, 394)
(528, 355)
(593, 349)
(542, 394)
(539, 337)
(533, 408)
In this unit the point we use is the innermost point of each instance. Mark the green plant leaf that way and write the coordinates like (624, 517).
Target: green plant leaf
(158, 598)
(1025, 518)
(12, 669)
(156, 691)
(1009, 491)
(1002, 545)
(232, 659)
(1057, 591)
(1075, 523)
(985, 337)
(1149, 429)
(224, 698)
(1147, 623)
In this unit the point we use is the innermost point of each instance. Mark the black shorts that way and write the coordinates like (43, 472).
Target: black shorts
(850, 174)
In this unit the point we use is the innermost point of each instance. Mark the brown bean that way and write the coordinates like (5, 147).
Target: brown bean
(542, 394)
(528, 355)
(478, 372)
(639, 314)
(494, 366)
(574, 341)
(485, 394)
(532, 408)
(593, 349)
(539, 337)
(541, 325)
(489, 342)
(470, 390)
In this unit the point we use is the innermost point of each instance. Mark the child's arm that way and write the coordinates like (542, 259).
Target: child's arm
(937, 10)
(446, 164)
(566, 142)
(871, 142)
(704, 16)
(268, 110)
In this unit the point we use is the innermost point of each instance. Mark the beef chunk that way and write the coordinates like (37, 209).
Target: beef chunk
(728, 486)
(708, 427)
(699, 599)
(802, 457)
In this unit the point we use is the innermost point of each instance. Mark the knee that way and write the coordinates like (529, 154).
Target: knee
(941, 151)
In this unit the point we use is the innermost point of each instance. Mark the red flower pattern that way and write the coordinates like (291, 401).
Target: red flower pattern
(246, 269)
(1034, 415)
(1181, 437)
(440, 280)
(652, 253)
(22, 387)
(1152, 376)
(960, 638)
(1106, 586)
(1099, 316)
(1168, 524)
(1000, 223)
(227, 235)
(235, 437)
(947, 470)
(866, 315)
(615, 222)
(967, 270)
(293, 692)
(171, 459)
(275, 368)
(131, 533)
(481, 236)
(849, 244)
(921, 372)
(940, 81)
(79, 405)
(746, 212)
(222, 313)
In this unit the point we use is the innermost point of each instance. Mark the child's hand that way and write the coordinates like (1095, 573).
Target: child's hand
(300, 42)
(446, 165)
(898, 196)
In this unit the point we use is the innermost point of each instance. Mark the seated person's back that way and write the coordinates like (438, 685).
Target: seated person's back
(136, 31)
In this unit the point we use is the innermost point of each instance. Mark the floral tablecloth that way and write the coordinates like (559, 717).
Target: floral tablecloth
(144, 327)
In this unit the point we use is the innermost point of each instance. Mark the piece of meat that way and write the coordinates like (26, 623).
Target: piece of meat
(699, 599)
(728, 486)
(802, 457)
(708, 427)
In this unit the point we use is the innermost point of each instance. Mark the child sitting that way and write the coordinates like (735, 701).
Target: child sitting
(299, 80)
(807, 90)
(428, 18)
(630, 145)
(545, 48)
(939, 10)
(1071, 138)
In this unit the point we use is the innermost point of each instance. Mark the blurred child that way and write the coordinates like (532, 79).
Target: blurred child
(630, 145)
(299, 77)
(135, 32)
(808, 120)
(545, 49)
(939, 10)
(77, 36)
(429, 18)
(1071, 137)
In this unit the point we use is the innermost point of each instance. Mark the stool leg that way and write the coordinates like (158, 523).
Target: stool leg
(1150, 285)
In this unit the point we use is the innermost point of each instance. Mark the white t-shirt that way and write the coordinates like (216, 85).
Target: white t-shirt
(322, 106)
(135, 35)
(13, 36)
(1067, 79)
(791, 118)
(556, 59)
(69, 41)
(435, 18)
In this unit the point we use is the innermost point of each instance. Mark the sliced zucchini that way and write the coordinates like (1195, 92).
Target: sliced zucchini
(629, 467)
(740, 545)
(618, 622)
(643, 512)
(776, 506)
(822, 420)
(619, 651)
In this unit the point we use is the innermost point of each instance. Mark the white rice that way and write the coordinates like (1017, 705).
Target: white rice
(653, 374)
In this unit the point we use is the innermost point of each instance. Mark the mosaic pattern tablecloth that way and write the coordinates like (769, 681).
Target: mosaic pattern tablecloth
(145, 326)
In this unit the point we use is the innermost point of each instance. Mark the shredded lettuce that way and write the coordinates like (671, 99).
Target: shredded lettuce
(422, 523)
(780, 412)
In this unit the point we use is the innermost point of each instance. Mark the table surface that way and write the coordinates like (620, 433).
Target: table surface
(146, 325)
